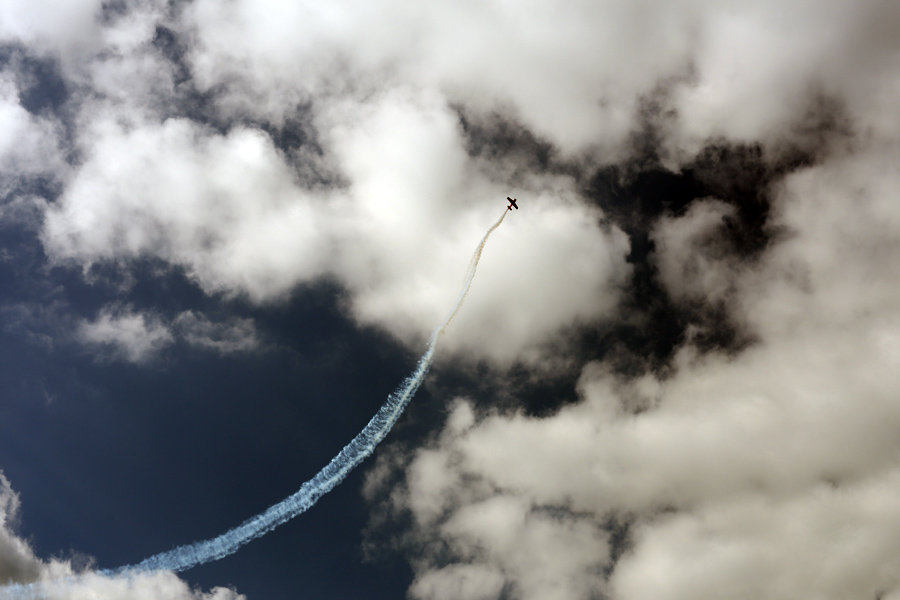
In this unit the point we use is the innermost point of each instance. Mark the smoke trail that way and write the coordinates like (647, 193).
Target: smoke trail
(191, 555)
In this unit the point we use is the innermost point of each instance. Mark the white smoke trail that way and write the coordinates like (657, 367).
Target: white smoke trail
(191, 555)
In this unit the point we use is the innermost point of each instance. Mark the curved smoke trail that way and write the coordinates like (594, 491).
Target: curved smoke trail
(191, 555)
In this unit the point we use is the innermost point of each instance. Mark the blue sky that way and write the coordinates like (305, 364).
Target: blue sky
(228, 229)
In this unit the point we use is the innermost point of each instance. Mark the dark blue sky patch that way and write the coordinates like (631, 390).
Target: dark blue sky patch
(42, 87)
(167, 42)
(634, 197)
(498, 137)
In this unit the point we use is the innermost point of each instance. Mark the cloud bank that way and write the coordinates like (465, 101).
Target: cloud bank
(772, 473)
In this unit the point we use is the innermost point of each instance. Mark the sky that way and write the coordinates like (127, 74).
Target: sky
(227, 230)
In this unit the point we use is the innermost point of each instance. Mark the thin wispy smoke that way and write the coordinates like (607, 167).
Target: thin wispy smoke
(191, 555)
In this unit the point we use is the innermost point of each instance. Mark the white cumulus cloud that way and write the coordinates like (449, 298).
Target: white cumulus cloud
(770, 472)
(123, 333)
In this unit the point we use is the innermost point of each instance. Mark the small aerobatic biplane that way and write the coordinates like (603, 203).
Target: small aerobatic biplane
(512, 204)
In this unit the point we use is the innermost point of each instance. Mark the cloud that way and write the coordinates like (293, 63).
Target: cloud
(283, 145)
(836, 264)
(46, 26)
(17, 561)
(180, 160)
(572, 74)
(420, 214)
(383, 196)
(769, 472)
(225, 207)
(693, 255)
(160, 585)
(756, 67)
(29, 144)
(235, 335)
(122, 333)
(230, 209)
(575, 75)
(477, 582)
(125, 334)
(823, 543)
(748, 474)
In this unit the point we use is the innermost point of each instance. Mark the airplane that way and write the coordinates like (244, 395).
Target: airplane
(512, 204)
